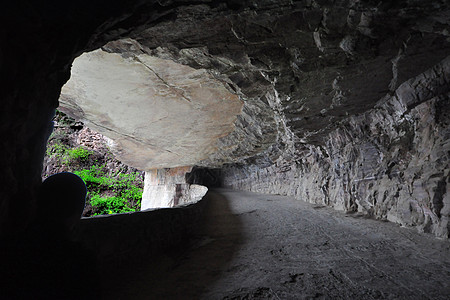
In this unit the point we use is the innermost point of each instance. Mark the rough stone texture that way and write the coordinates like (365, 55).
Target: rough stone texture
(158, 113)
(391, 162)
(195, 193)
(326, 60)
(168, 188)
(71, 134)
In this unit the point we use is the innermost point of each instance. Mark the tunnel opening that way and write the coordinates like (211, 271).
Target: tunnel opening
(156, 114)
(114, 187)
(209, 177)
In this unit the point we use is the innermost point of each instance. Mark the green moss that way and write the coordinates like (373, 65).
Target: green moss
(110, 205)
(107, 193)
(126, 187)
(68, 156)
(56, 149)
(78, 153)
(63, 119)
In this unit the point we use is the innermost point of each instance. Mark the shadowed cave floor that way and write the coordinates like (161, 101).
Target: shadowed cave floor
(256, 246)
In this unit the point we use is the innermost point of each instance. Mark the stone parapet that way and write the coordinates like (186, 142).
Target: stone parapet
(137, 236)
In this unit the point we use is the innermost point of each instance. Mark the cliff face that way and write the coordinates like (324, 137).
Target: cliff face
(159, 113)
(391, 162)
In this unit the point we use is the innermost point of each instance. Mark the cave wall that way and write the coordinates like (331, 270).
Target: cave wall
(158, 113)
(391, 162)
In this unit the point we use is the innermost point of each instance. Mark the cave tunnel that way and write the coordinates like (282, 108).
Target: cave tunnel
(321, 129)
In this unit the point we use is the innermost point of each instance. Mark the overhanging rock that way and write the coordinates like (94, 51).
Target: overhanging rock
(158, 113)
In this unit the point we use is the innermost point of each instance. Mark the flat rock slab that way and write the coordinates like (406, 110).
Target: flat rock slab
(257, 246)
(157, 113)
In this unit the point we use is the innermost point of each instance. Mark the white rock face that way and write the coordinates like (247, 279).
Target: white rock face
(168, 188)
(157, 196)
(159, 113)
(194, 193)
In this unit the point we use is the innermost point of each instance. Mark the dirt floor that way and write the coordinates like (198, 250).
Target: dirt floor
(256, 246)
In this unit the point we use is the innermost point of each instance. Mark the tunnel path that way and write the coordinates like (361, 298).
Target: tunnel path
(256, 246)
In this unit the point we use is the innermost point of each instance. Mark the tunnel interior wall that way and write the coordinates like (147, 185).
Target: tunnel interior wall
(40, 39)
(391, 162)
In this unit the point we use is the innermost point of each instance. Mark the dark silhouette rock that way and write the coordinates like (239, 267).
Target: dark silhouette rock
(44, 262)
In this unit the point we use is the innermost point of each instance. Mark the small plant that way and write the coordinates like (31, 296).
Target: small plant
(110, 205)
(109, 190)
(126, 187)
(56, 150)
(68, 156)
(78, 153)
(63, 119)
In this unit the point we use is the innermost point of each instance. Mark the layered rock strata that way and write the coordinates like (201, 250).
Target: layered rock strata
(391, 162)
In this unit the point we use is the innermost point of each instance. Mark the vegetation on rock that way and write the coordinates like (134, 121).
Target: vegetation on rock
(112, 186)
(68, 156)
(126, 190)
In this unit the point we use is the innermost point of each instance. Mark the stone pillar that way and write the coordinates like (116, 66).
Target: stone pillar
(168, 188)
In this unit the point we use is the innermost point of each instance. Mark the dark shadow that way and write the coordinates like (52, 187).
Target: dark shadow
(174, 253)
(44, 261)
(211, 178)
(166, 268)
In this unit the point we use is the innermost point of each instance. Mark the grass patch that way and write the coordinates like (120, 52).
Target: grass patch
(68, 156)
(109, 191)
(127, 190)
(79, 153)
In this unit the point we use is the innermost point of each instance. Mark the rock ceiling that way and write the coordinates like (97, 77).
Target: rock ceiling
(158, 113)
(207, 85)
